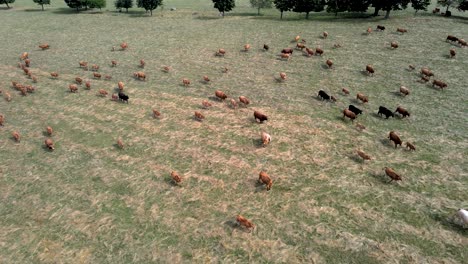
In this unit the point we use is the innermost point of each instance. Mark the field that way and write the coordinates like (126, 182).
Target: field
(91, 202)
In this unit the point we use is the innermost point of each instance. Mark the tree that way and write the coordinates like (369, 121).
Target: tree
(420, 5)
(463, 6)
(6, 2)
(119, 4)
(96, 3)
(389, 5)
(261, 4)
(42, 3)
(446, 3)
(335, 6)
(284, 5)
(74, 4)
(149, 5)
(307, 6)
(224, 5)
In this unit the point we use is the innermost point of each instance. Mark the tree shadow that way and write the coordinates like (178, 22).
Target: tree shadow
(34, 10)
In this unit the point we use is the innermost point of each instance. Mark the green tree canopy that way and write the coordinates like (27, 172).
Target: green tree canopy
(96, 3)
(336, 6)
(224, 5)
(74, 4)
(420, 5)
(6, 2)
(261, 4)
(307, 6)
(119, 4)
(284, 5)
(42, 3)
(149, 5)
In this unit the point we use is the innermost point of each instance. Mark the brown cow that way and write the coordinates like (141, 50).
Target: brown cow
(319, 51)
(121, 86)
(401, 30)
(394, 44)
(234, 104)
(363, 155)
(88, 85)
(221, 52)
(124, 45)
(103, 92)
(426, 72)
(83, 64)
(285, 56)
(44, 46)
(140, 75)
(452, 53)
(2, 119)
(54, 74)
(24, 55)
(283, 76)
(206, 104)
(206, 79)
(266, 138)
(349, 114)
(156, 114)
(362, 97)
(395, 138)
(439, 83)
(220, 94)
(16, 136)
(402, 111)
(345, 91)
(79, 80)
(404, 90)
(199, 116)
(185, 82)
(97, 75)
(114, 63)
(176, 177)
(120, 143)
(246, 47)
(410, 146)
(142, 63)
(244, 100)
(49, 144)
(95, 67)
(244, 222)
(325, 34)
(309, 52)
(265, 179)
(49, 130)
(329, 63)
(73, 88)
(370, 70)
(260, 117)
(392, 174)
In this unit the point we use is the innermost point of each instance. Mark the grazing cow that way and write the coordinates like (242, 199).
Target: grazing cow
(411, 67)
(246, 47)
(264, 178)
(345, 91)
(156, 114)
(404, 90)
(107, 77)
(394, 44)
(206, 79)
(324, 96)
(120, 143)
(103, 92)
(401, 30)
(142, 63)
(426, 72)
(7, 96)
(244, 100)
(395, 138)
(78, 80)
(370, 70)
(385, 111)
(199, 116)
(73, 88)
(285, 56)
(310, 52)
(166, 69)
(34, 79)
(30, 88)
(83, 64)
(380, 28)
(424, 79)
(44, 46)
(325, 34)
(287, 51)
(114, 63)
(363, 155)
(140, 75)
(16, 136)
(297, 38)
(329, 63)
(225, 69)
(234, 104)
(266, 47)
(54, 74)
(300, 46)
(355, 110)
(319, 51)
(266, 138)
(24, 55)
(2, 119)
(95, 67)
(462, 43)
(360, 126)
(88, 85)
(369, 30)
(176, 177)
(27, 62)
(400, 110)
(97, 75)
(283, 76)
(121, 86)
(452, 53)
(349, 114)
(260, 117)
(185, 82)
(451, 38)
(49, 144)
(220, 52)
(220, 94)
(439, 83)
(49, 130)
(392, 174)
(362, 97)
(206, 104)
(462, 215)
(337, 45)
(244, 222)
(114, 97)
(410, 146)
(124, 45)
(123, 97)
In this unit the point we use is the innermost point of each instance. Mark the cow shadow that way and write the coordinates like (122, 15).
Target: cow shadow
(396, 93)
(356, 159)
(325, 67)
(364, 72)
(387, 143)
(258, 143)
(215, 99)
(379, 176)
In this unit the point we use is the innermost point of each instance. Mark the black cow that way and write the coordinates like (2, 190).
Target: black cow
(354, 109)
(123, 97)
(452, 38)
(322, 94)
(379, 27)
(386, 112)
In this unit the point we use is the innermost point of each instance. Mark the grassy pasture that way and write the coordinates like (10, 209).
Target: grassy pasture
(90, 202)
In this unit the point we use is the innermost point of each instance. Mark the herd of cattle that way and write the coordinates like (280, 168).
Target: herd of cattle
(351, 112)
